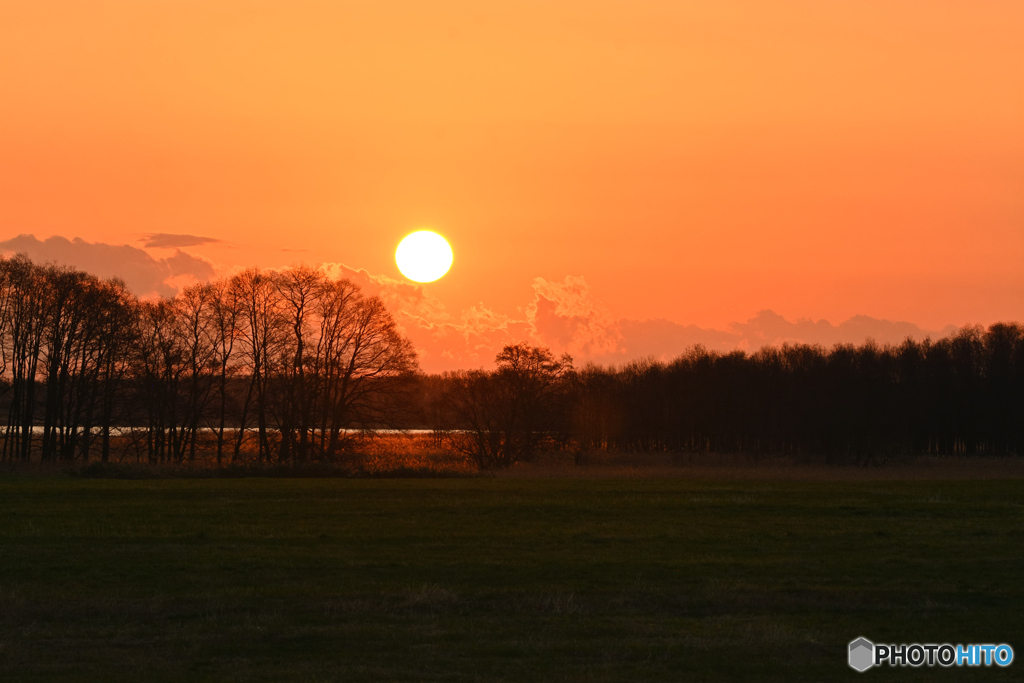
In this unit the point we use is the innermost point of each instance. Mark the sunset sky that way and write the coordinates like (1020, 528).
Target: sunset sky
(616, 178)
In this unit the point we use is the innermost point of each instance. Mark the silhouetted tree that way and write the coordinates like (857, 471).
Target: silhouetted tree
(22, 343)
(307, 362)
(260, 330)
(367, 365)
(118, 334)
(196, 307)
(225, 315)
(504, 416)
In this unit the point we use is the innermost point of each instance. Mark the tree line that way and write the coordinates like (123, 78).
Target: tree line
(960, 395)
(289, 365)
(289, 359)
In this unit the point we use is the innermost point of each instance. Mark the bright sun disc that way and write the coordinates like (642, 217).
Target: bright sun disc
(423, 256)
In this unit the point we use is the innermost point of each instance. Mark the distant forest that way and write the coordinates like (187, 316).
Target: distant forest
(290, 366)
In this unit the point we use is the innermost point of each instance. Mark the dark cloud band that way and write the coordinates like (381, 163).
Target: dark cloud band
(143, 274)
(166, 240)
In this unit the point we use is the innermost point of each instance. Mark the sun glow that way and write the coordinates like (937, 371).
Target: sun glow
(423, 256)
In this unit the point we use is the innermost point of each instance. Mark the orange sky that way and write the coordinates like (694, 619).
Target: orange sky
(692, 161)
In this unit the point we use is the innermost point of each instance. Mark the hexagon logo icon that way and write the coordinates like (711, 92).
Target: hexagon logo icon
(862, 654)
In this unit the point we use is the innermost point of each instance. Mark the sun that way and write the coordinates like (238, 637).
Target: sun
(423, 256)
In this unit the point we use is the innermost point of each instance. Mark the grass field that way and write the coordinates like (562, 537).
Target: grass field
(590, 579)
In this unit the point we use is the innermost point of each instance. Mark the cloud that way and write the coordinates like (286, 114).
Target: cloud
(563, 316)
(664, 340)
(444, 341)
(144, 275)
(768, 328)
(566, 317)
(166, 240)
(404, 298)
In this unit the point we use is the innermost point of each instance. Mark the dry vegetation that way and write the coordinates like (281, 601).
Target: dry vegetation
(420, 454)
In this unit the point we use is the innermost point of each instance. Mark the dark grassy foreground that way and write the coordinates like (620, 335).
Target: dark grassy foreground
(500, 579)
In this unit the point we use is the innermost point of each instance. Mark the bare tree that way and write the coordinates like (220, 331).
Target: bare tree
(260, 331)
(295, 379)
(22, 349)
(369, 367)
(225, 314)
(160, 363)
(71, 341)
(117, 331)
(507, 414)
(201, 345)
(342, 364)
